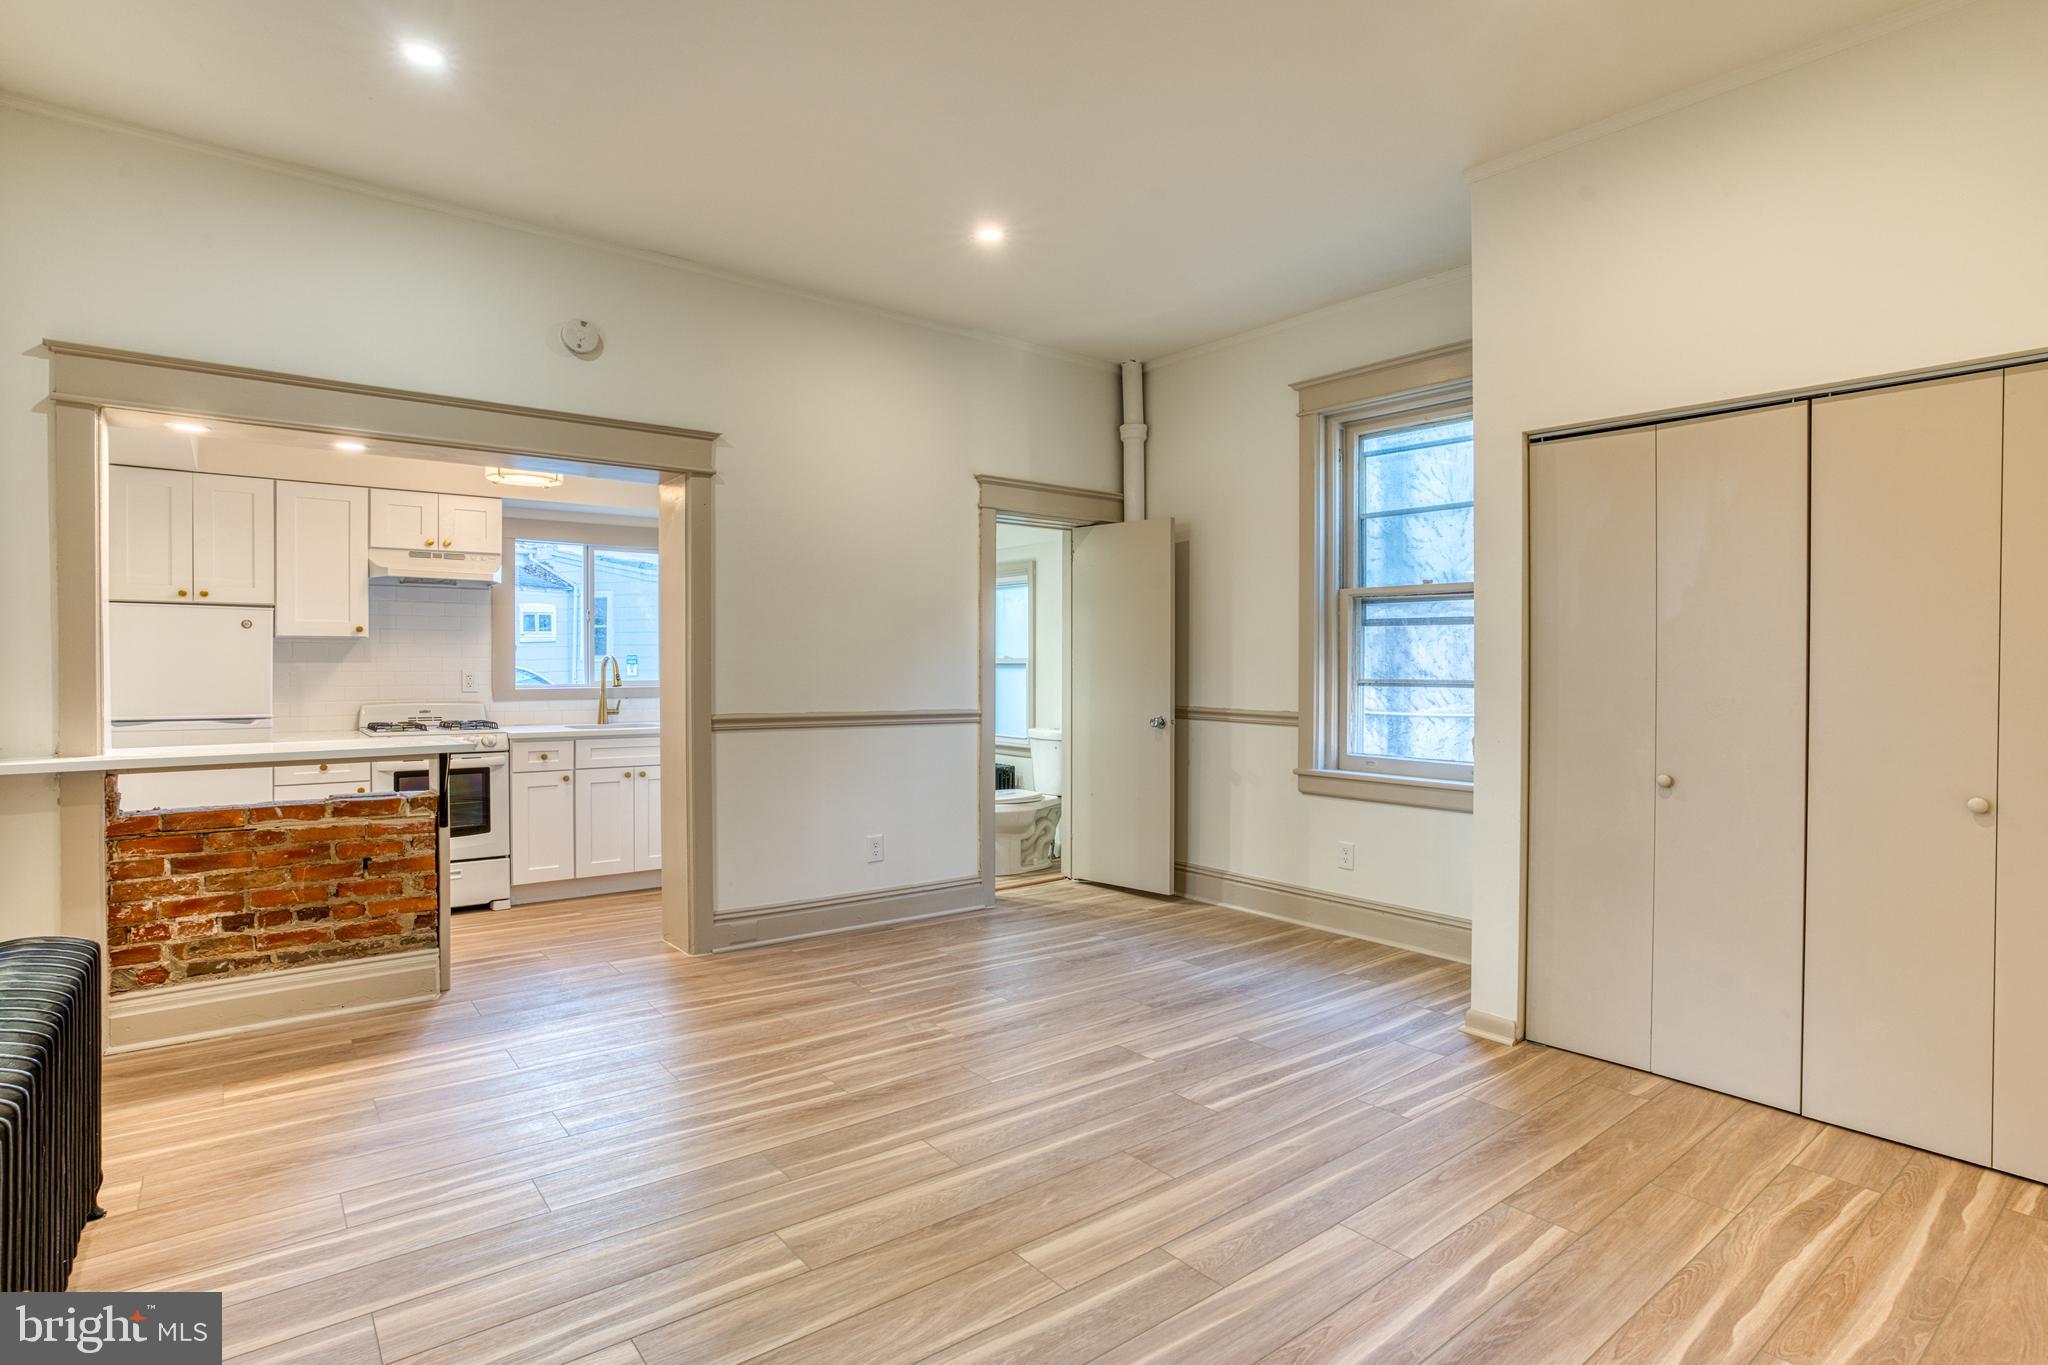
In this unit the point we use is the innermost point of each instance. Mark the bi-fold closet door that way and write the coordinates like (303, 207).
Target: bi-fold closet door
(1667, 730)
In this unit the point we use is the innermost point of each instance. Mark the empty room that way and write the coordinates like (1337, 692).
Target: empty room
(1047, 683)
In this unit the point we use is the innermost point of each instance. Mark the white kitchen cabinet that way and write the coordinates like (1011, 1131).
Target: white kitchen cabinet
(544, 825)
(335, 770)
(195, 789)
(234, 553)
(323, 560)
(470, 525)
(149, 534)
(605, 825)
(404, 520)
(646, 819)
(320, 791)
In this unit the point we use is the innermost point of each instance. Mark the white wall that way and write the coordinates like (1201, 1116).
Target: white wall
(1877, 211)
(847, 529)
(1223, 462)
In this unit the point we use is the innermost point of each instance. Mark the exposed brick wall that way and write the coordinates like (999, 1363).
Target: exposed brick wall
(228, 892)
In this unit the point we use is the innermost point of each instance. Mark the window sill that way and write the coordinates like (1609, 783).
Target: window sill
(1020, 747)
(1427, 792)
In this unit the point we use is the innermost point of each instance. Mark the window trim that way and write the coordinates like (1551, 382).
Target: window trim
(1026, 572)
(1397, 392)
(594, 534)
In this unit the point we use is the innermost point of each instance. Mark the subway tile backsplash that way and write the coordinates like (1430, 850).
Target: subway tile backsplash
(420, 642)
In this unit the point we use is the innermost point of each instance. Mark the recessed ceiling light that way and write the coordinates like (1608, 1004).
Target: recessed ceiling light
(352, 447)
(189, 428)
(523, 478)
(990, 234)
(423, 55)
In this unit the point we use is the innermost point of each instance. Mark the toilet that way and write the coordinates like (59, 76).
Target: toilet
(1028, 822)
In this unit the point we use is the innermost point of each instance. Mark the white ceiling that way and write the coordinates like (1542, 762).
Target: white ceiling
(1170, 171)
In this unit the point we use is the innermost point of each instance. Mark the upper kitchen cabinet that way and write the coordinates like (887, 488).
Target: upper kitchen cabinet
(149, 534)
(176, 536)
(234, 556)
(470, 525)
(401, 520)
(404, 521)
(323, 560)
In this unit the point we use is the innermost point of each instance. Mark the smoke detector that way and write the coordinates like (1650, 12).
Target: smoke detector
(582, 337)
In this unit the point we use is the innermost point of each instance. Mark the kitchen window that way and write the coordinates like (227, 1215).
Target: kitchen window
(578, 594)
(1016, 689)
(1387, 589)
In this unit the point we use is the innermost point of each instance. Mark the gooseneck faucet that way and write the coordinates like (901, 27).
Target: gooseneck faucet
(607, 704)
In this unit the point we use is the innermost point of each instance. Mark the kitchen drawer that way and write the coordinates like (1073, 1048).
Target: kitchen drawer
(320, 791)
(541, 755)
(637, 750)
(294, 773)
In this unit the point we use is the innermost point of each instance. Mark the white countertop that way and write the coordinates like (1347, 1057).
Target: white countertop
(614, 730)
(298, 749)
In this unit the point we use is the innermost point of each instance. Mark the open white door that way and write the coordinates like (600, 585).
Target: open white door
(1120, 759)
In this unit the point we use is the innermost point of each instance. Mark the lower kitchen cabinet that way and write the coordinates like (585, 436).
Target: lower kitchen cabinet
(544, 826)
(618, 820)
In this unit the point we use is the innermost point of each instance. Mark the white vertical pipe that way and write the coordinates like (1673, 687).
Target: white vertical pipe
(1133, 433)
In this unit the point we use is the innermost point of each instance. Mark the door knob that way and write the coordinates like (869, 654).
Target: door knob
(1666, 780)
(1978, 806)
(1158, 722)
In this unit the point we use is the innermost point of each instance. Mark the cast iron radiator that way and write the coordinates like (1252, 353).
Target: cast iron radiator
(49, 1107)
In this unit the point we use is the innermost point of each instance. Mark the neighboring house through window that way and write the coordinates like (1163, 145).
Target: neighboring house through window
(577, 601)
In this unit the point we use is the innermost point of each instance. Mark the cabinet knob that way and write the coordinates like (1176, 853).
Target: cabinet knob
(361, 790)
(627, 774)
(359, 630)
(643, 772)
(1666, 780)
(447, 543)
(430, 542)
(565, 777)
(181, 592)
(1978, 806)
(203, 592)
(542, 757)
(323, 767)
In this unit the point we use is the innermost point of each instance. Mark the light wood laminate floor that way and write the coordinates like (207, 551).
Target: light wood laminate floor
(1084, 1126)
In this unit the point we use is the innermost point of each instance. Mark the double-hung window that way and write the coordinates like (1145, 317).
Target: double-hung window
(1387, 570)
(1404, 615)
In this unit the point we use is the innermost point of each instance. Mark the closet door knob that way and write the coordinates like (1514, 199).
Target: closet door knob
(1978, 806)
(1666, 780)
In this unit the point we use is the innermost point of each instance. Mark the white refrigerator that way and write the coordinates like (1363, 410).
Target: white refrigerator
(187, 674)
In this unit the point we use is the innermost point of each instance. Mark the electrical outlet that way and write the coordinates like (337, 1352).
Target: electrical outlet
(1347, 855)
(874, 848)
(468, 681)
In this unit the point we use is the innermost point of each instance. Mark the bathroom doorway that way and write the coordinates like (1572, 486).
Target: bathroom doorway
(1031, 679)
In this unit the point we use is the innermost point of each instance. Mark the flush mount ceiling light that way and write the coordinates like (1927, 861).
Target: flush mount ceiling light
(423, 55)
(990, 234)
(352, 447)
(522, 478)
(189, 428)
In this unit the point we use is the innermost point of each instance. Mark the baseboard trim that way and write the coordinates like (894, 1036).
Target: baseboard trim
(1491, 1027)
(1397, 926)
(194, 1010)
(577, 888)
(833, 914)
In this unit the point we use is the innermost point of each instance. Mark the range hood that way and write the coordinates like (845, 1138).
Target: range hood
(434, 568)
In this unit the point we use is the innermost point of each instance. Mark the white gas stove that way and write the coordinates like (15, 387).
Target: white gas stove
(479, 791)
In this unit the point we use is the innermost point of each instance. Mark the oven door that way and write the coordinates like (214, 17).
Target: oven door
(478, 799)
(406, 776)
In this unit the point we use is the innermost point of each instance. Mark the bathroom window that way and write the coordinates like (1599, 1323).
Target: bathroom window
(1015, 680)
(578, 600)
(1387, 621)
